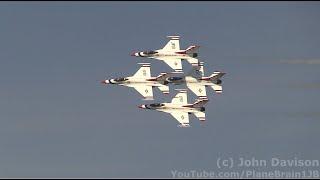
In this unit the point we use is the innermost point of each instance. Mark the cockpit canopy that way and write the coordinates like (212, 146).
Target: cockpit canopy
(156, 105)
(150, 52)
(120, 79)
(174, 78)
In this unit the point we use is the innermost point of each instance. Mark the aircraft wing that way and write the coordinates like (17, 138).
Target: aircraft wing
(174, 63)
(145, 91)
(144, 71)
(181, 117)
(173, 44)
(181, 98)
(199, 90)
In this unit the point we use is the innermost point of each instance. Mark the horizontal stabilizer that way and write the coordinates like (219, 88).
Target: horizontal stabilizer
(199, 102)
(217, 88)
(164, 89)
(192, 61)
(200, 115)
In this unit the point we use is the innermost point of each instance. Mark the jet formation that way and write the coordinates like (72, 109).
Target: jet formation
(195, 80)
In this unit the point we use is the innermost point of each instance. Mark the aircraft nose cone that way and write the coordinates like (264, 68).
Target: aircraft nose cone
(104, 82)
(134, 54)
(142, 106)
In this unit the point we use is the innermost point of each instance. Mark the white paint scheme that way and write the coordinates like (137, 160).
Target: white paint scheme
(197, 83)
(142, 82)
(180, 109)
(171, 54)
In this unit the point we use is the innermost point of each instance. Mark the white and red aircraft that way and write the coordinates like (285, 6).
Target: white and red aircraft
(197, 82)
(142, 82)
(180, 109)
(171, 54)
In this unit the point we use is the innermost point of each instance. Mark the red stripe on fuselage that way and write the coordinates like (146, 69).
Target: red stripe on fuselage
(153, 79)
(181, 52)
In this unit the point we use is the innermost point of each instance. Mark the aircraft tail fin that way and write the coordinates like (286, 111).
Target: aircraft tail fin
(162, 76)
(192, 49)
(215, 76)
(200, 102)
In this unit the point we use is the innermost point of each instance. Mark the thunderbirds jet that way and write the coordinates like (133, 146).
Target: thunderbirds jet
(142, 81)
(196, 81)
(180, 109)
(171, 54)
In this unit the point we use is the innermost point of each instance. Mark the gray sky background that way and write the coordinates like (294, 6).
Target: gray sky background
(57, 120)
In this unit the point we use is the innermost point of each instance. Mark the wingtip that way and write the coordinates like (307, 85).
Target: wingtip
(173, 36)
(148, 98)
(181, 90)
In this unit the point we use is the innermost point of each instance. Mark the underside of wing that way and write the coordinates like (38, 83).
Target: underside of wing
(199, 90)
(181, 117)
(145, 91)
(174, 63)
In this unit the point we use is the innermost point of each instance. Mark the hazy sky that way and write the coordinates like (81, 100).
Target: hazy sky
(57, 120)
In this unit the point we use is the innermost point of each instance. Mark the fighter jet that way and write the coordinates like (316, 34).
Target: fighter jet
(180, 109)
(171, 54)
(196, 81)
(142, 82)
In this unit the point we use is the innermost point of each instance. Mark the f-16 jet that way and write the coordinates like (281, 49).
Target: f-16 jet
(142, 82)
(180, 109)
(171, 54)
(196, 81)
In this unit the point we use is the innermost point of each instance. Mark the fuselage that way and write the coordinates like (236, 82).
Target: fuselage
(127, 81)
(160, 53)
(169, 107)
(189, 79)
